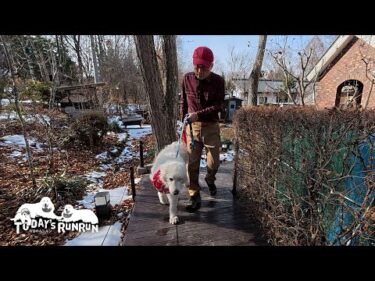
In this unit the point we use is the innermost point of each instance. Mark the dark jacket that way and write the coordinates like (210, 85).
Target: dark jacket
(205, 97)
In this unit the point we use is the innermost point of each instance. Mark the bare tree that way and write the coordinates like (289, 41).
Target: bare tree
(75, 42)
(297, 79)
(256, 72)
(161, 101)
(13, 72)
(369, 62)
(239, 63)
(296, 62)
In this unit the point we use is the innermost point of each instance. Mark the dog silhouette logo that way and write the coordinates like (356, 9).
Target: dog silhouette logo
(28, 211)
(72, 215)
(40, 216)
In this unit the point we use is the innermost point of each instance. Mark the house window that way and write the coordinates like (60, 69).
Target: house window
(349, 93)
(282, 98)
(232, 106)
(262, 100)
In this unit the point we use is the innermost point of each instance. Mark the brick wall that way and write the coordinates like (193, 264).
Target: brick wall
(349, 65)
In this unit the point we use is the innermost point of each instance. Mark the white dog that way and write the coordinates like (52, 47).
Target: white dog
(169, 176)
(72, 215)
(44, 208)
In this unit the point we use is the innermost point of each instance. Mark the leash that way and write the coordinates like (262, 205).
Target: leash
(192, 143)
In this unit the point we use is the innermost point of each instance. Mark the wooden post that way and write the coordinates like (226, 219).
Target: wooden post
(141, 153)
(132, 182)
(236, 149)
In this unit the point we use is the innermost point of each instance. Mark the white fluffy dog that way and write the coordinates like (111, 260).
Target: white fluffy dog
(169, 176)
(44, 208)
(72, 215)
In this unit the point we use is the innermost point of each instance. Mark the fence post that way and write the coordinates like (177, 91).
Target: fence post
(141, 153)
(132, 182)
(236, 149)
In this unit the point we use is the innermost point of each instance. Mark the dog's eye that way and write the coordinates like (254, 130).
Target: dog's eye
(171, 179)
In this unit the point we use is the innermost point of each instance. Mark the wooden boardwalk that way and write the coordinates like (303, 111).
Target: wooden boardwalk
(219, 222)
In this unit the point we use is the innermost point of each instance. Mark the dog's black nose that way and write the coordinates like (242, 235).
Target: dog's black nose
(175, 192)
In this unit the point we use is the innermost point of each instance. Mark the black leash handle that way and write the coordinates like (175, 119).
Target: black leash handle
(192, 141)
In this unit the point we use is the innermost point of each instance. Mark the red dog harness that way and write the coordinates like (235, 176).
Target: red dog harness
(158, 184)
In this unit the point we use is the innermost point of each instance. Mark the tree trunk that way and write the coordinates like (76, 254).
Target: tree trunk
(77, 49)
(170, 58)
(26, 51)
(161, 105)
(94, 59)
(10, 61)
(255, 73)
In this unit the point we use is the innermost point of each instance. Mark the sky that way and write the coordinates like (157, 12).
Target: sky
(222, 44)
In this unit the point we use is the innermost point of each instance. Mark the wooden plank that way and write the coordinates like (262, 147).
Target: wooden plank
(220, 221)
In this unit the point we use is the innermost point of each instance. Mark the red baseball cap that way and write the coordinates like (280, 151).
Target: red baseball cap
(203, 55)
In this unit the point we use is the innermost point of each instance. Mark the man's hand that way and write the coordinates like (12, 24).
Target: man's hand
(193, 117)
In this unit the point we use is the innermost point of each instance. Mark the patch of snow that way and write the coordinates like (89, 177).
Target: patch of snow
(113, 237)
(136, 132)
(116, 119)
(228, 156)
(5, 102)
(15, 153)
(122, 136)
(8, 116)
(19, 140)
(105, 167)
(95, 177)
(102, 156)
(126, 155)
(108, 235)
(12, 115)
(89, 238)
(42, 119)
(116, 196)
(88, 200)
(203, 163)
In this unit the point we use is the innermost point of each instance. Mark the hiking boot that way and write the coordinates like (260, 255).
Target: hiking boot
(211, 188)
(194, 203)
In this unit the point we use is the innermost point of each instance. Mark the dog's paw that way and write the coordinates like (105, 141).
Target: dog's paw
(164, 203)
(173, 220)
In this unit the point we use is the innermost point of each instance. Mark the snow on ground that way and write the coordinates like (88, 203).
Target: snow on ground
(105, 167)
(5, 102)
(117, 120)
(8, 116)
(126, 154)
(228, 156)
(121, 136)
(42, 119)
(19, 140)
(95, 177)
(109, 235)
(137, 132)
(12, 115)
(102, 156)
(116, 196)
(15, 153)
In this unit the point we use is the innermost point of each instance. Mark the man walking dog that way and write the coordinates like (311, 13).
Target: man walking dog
(202, 98)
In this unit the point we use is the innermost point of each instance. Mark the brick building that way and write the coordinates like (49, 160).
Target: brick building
(345, 73)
